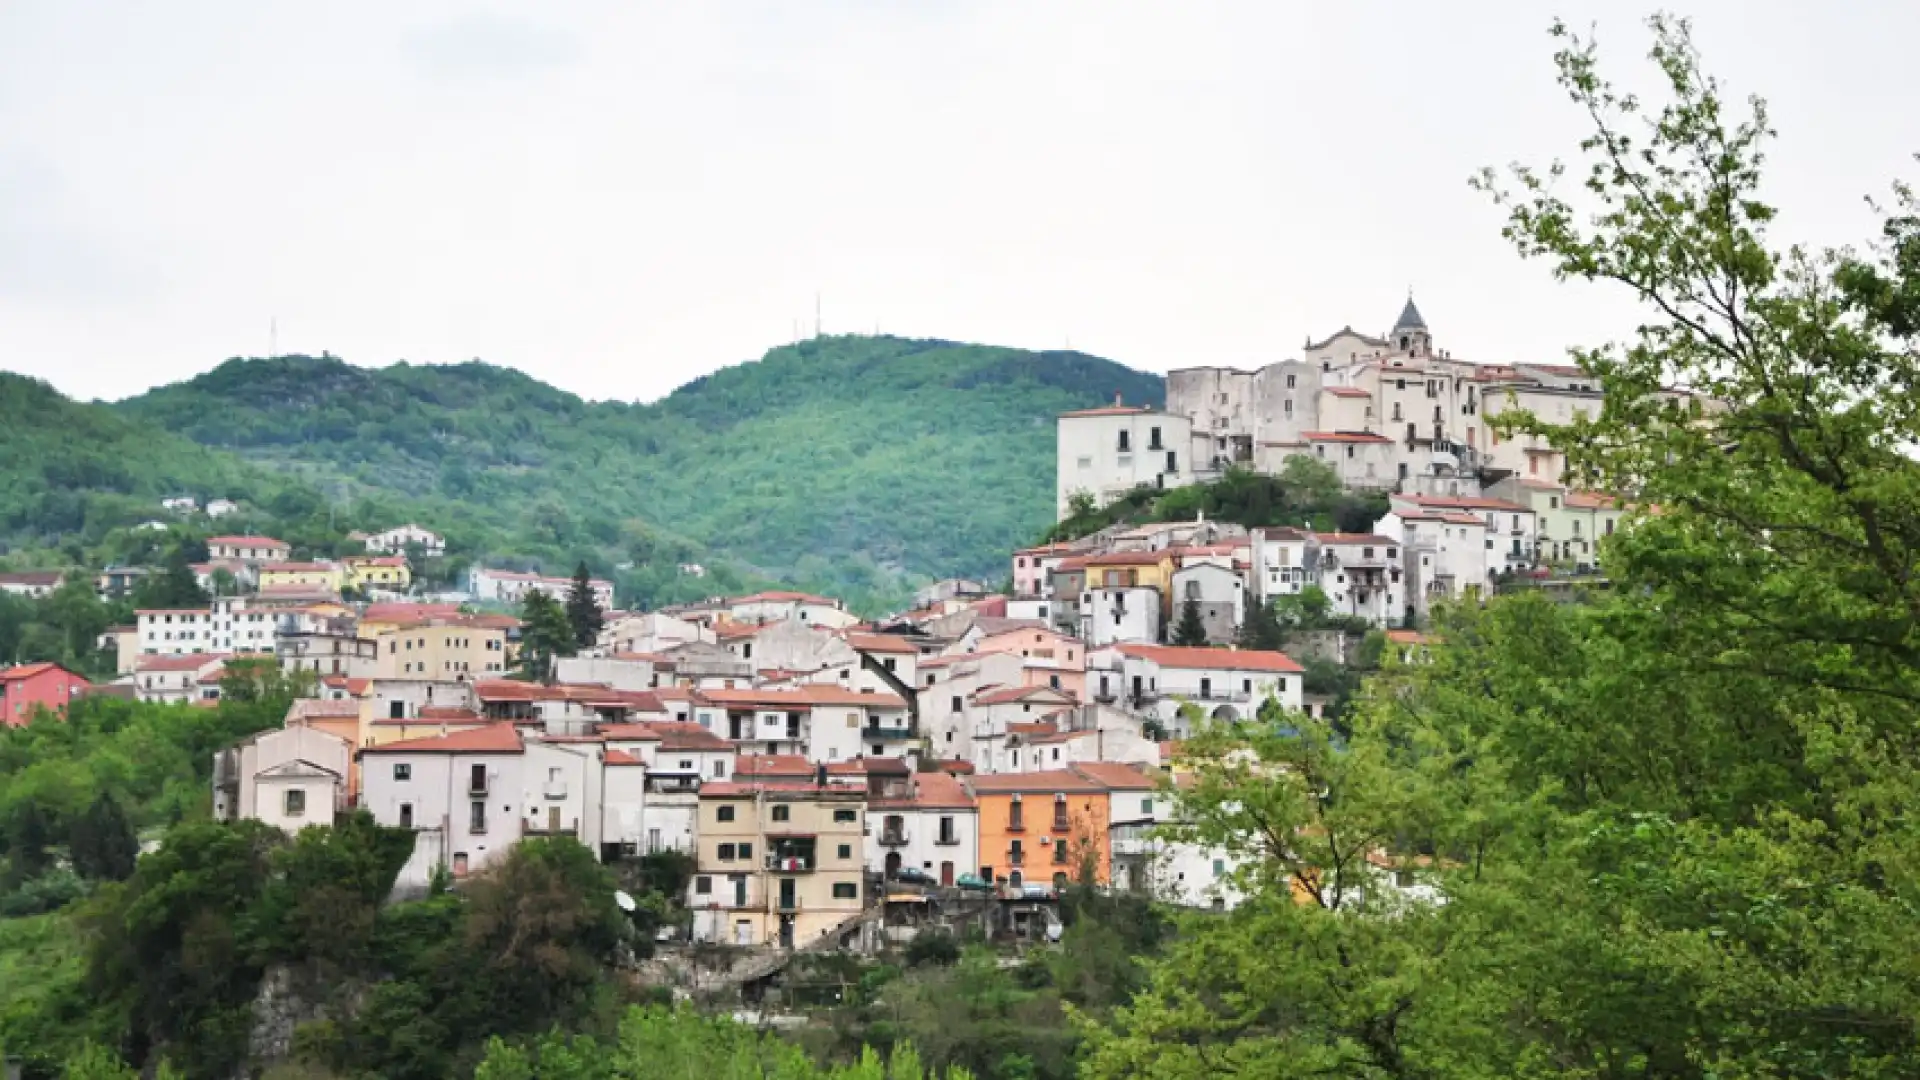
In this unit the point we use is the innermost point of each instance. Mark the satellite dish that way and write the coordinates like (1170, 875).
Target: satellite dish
(626, 902)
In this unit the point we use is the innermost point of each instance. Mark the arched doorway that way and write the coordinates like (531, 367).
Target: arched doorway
(893, 863)
(1226, 713)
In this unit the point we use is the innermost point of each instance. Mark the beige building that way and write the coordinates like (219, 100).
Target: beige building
(777, 862)
(445, 649)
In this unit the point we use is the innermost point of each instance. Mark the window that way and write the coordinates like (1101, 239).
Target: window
(723, 813)
(1219, 867)
(846, 851)
(406, 815)
(1146, 806)
(477, 817)
(1060, 853)
(396, 710)
(1059, 811)
(724, 853)
(842, 817)
(296, 802)
(1126, 441)
(781, 813)
(1290, 381)
(1153, 439)
(946, 831)
(746, 852)
(1206, 688)
(1015, 815)
(402, 772)
(846, 890)
(955, 703)
(719, 769)
(703, 885)
(459, 864)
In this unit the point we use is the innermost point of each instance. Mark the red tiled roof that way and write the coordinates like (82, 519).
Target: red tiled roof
(617, 756)
(1450, 518)
(956, 767)
(32, 577)
(1117, 776)
(1052, 780)
(1111, 410)
(1015, 694)
(499, 738)
(449, 713)
(869, 766)
(176, 611)
(772, 765)
(1591, 500)
(931, 791)
(1463, 502)
(1125, 558)
(23, 672)
(1344, 437)
(1339, 539)
(687, 735)
(880, 643)
(1346, 391)
(1184, 656)
(1407, 637)
(1037, 727)
(375, 560)
(778, 597)
(729, 789)
(805, 696)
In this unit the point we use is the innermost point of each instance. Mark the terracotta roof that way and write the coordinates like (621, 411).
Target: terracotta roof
(637, 732)
(956, 767)
(805, 696)
(212, 678)
(1015, 694)
(931, 791)
(23, 672)
(208, 612)
(869, 766)
(1346, 391)
(1045, 549)
(1339, 539)
(880, 643)
(500, 738)
(407, 612)
(617, 756)
(356, 687)
(1183, 656)
(1408, 637)
(771, 765)
(1451, 518)
(1117, 776)
(1061, 736)
(779, 597)
(254, 541)
(374, 560)
(1463, 502)
(729, 789)
(1282, 534)
(317, 709)
(1036, 727)
(687, 735)
(187, 662)
(1126, 558)
(1590, 500)
(1111, 410)
(1052, 780)
(1344, 437)
(449, 713)
(31, 577)
(953, 658)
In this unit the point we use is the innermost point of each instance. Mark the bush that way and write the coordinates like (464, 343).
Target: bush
(50, 891)
(933, 947)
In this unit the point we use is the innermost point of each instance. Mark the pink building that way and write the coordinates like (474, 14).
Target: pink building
(1046, 658)
(1031, 566)
(48, 686)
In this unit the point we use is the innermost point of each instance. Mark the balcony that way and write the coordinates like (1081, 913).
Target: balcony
(545, 830)
(888, 731)
(554, 792)
(1016, 858)
(787, 904)
(790, 864)
(893, 838)
(947, 840)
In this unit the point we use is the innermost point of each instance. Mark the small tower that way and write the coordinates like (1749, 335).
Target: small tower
(1410, 336)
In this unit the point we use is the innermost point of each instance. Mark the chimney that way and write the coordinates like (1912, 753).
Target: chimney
(820, 776)
(1116, 399)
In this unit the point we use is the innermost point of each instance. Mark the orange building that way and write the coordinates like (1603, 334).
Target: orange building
(1045, 827)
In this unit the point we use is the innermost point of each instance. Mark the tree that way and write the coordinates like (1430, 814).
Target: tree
(545, 634)
(583, 609)
(1261, 628)
(102, 843)
(1665, 822)
(29, 835)
(175, 586)
(1190, 630)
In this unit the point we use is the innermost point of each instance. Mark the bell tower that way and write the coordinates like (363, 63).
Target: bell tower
(1410, 336)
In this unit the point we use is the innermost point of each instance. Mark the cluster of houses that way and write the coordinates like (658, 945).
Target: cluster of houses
(1390, 414)
(808, 761)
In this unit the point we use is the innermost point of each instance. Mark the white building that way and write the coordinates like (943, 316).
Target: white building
(776, 606)
(32, 584)
(934, 829)
(174, 631)
(398, 540)
(177, 678)
(219, 508)
(1446, 554)
(180, 504)
(258, 549)
(1145, 860)
(511, 587)
(1361, 574)
(1127, 613)
(1224, 684)
(1218, 591)
(1109, 451)
(1280, 562)
(1512, 536)
(289, 777)
(471, 795)
(822, 723)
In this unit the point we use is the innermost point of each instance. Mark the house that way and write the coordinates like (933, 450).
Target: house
(1176, 872)
(454, 648)
(1039, 827)
(997, 711)
(32, 584)
(378, 618)
(1033, 569)
(677, 758)
(289, 777)
(778, 862)
(118, 581)
(176, 677)
(1280, 565)
(253, 549)
(401, 539)
(1362, 459)
(219, 508)
(180, 504)
(1361, 574)
(327, 576)
(1216, 591)
(1445, 552)
(511, 587)
(329, 651)
(1512, 534)
(237, 624)
(651, 632)
(174, 631)
(776, 606)
(27, 688)
(1224, 684)
(362, 573)
(470, 795)
(1047, 658)
(125, 643)
(1110, 614)
(931, 826)
(819, 722)
(1106, 452)
(948, 684)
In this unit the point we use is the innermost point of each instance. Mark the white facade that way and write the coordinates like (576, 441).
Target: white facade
(1225, 684)
(1362, 575)
(174, 631)
(176, 679)
(396, 541)
(249, 548)
(1218, 590)
(769, 607)
(1108, 616)
(1177, 873)
(255, 778)
(1446, 554)
(219, 508)
(1280, 563)
(511, 587)
(1109, 452)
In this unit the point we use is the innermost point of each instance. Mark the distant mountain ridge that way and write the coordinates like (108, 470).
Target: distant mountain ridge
(852, 462)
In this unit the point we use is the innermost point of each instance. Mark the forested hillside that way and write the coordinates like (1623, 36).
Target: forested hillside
(855, 463)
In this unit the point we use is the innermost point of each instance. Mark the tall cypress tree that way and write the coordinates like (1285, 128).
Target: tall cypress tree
(1191, 630)
(583, 611)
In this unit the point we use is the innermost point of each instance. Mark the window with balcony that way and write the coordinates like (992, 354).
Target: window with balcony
(1060, 812)
(1016, 815)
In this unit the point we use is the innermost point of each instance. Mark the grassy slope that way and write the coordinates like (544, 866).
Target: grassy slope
(843, 460)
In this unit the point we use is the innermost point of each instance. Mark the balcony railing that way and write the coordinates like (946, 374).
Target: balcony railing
(948, 840)
(787, 903)
(888, 731)
(555, 791)
(893, 838)
(790, 864)
(1016, 858)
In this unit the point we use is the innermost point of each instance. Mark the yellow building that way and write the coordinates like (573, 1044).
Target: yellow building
(1131, 570)
(448, 650)
(777, 862)
(313, 575)
(377, 572)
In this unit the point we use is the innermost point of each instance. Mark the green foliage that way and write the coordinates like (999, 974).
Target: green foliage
(932, 947)
(583, 611)
(1307, 494)
(102, 844)
(1671, 826)
(545, 635)
(1190, 630)
(811, 464)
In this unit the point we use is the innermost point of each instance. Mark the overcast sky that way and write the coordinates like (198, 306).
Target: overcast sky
(617, 197)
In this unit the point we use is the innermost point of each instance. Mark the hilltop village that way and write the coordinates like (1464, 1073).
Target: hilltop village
(828, 774)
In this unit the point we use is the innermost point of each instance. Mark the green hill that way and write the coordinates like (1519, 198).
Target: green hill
(856, 463)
